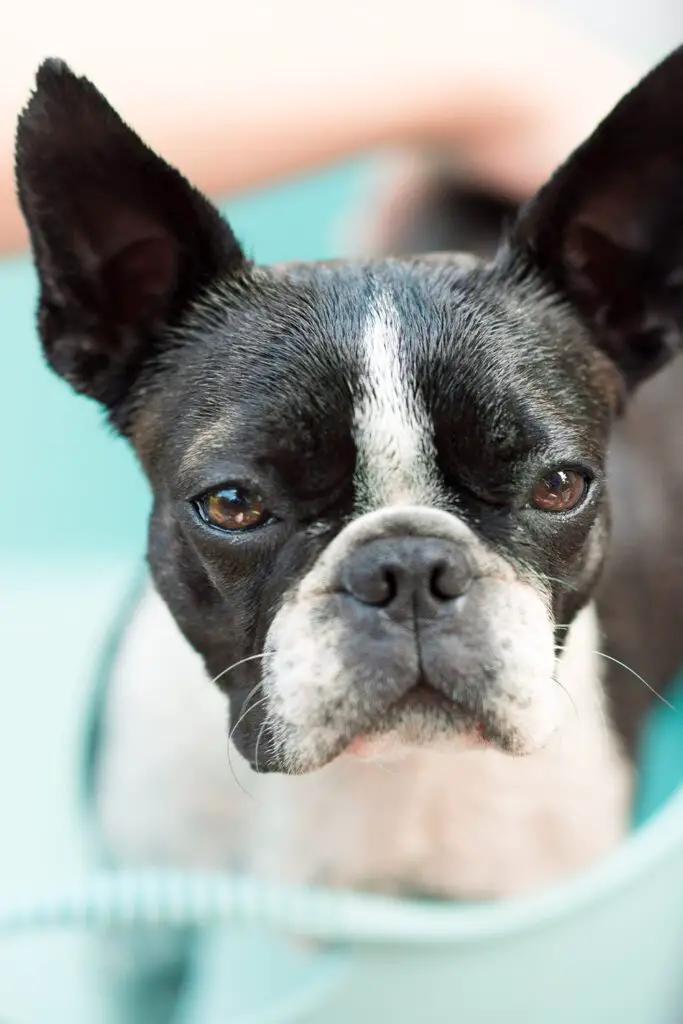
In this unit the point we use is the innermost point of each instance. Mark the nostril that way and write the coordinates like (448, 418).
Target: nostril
(449, 579)
(369, 584)
(379, 589)
(406, 576)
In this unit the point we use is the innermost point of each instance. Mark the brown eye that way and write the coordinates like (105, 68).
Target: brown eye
(234, 509)
(559, 491)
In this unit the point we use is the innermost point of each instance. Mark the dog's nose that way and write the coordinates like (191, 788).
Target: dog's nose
(407, 576)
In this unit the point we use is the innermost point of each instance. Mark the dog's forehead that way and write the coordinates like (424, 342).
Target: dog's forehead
(295, 362)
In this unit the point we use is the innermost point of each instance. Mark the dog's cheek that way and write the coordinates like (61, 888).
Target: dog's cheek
(575, 584)
(306, 675)
(216, 615)
(526, 700)
(503, 650)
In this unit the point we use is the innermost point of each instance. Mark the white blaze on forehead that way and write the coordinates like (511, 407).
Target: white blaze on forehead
(392, 429)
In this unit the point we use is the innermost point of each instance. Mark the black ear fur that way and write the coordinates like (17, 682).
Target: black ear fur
(121, 242)
(607, 229)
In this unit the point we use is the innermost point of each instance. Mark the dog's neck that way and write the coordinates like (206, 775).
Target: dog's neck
(476, 823)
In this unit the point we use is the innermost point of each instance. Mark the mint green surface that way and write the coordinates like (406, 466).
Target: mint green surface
(605, 948)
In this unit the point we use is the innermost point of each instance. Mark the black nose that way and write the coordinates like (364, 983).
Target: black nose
(407, 576)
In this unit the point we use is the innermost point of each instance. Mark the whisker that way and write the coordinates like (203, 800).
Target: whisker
(556, 579)
(543, 577)
(568, 695)
(245, 711)
(258, 740)
(596, 699)
(639, 677)
(603, 716)
(236, 664)
(234, 774)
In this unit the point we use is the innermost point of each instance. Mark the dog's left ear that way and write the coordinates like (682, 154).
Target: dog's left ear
(121, 242)
(607, 229)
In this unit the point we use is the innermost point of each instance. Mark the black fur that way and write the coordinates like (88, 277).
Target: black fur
(122, 243)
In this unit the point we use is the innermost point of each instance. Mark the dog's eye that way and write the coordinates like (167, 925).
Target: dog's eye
(233, 508)
(559, 491)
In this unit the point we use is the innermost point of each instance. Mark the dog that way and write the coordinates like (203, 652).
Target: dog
(383, 570)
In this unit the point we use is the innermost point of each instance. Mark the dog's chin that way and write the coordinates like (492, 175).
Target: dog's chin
(418, 722)
(388, 747)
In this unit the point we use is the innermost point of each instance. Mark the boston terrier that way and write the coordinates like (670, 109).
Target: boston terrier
(390, 640)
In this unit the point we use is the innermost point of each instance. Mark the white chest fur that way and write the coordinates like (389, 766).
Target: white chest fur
(465, 823)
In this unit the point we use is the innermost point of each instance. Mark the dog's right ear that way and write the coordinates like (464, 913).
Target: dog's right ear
(606, 232)
(121, 242)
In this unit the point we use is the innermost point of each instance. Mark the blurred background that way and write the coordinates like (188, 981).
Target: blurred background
(310, 124)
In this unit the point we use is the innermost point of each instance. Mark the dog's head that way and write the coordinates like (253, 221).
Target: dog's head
(379, 487)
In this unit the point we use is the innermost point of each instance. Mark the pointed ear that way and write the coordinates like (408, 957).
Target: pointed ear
(607, 229)
(121, 242)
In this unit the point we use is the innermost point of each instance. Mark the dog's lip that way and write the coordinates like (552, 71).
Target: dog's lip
(423, 694)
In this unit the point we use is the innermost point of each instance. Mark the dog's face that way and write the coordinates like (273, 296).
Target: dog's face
(379, 488)
(358, 471)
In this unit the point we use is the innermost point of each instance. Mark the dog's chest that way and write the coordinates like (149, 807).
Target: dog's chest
(470, 824)
(475, 824)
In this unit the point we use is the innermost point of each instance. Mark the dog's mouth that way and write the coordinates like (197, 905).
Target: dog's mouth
(424, 695)
(422, 703)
